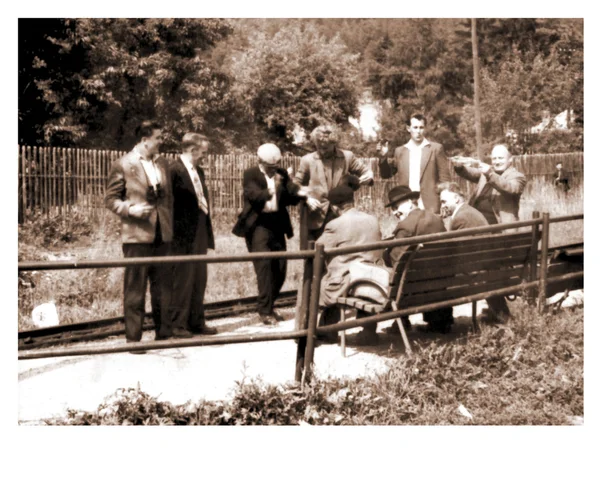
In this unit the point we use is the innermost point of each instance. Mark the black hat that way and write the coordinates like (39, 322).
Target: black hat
(344, 192)
(401, 193)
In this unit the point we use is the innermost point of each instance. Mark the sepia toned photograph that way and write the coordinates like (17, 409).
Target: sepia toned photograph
(300, 221)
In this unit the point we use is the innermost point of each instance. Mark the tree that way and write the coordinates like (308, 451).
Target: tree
(295, 78)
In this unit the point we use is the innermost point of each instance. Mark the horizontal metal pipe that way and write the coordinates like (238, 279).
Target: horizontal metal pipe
(163, 260)
(567, 218)
(449, 303)
(440, 236)
(220, 339)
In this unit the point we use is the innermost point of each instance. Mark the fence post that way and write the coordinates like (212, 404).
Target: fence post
(533, 256)
(303, 292)
(313, 311)
(544, 262)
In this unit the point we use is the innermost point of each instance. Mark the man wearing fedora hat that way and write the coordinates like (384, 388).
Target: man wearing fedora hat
(414, 221)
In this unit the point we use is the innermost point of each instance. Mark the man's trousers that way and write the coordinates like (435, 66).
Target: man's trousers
(189, 281)
(134, 290)
(270, 274)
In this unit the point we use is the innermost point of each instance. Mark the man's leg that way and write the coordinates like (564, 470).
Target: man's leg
(498, 307)
(160, 291)
(278, 265)
(259, 242)
(134, 291)
(182, 286)
(199, 277)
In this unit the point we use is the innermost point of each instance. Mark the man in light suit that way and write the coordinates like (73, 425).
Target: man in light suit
(413, 222)
(265, 222)
(139, 191)
(192, 235)
(322, 170)
(352, 227)
(419, 164)
(499, 186)
(464, 216)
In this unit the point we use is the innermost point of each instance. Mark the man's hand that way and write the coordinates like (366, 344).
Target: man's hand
(366, 178)
(142, 210)
(312, 203)
(484, 168)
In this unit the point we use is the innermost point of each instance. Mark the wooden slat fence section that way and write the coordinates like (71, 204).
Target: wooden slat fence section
(64, 180)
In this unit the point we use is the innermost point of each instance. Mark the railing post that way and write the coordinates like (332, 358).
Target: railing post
(533, 256)
(313, 310)
(303, 293)
(544, 262)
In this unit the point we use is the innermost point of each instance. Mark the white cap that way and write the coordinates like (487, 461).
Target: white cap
(269, 153)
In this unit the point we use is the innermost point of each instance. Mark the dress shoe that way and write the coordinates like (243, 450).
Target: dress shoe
(180, 332)
(135, 352)
(366, 338)
(278, 317)
(268, 319)
(206, 329)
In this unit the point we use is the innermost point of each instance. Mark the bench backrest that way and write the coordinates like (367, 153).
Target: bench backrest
(448, 270)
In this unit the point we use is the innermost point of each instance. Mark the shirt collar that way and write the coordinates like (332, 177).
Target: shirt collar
(411, 145)
(456, 211)
(186, 162)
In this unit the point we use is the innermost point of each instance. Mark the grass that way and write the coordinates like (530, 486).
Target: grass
(529, 372)
(82, 295)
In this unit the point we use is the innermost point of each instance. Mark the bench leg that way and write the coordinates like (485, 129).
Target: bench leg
(402, 331)
(342, 332)
(474, 316)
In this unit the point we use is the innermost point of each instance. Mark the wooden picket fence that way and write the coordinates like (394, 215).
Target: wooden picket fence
(57, 181)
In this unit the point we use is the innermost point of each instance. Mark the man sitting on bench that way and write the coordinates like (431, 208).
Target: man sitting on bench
(414, 222)
(352, 227)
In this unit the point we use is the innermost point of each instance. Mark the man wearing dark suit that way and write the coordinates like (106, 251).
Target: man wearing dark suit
(415, 222)
(321, 171)
(139, 191)
(265, 222)
(499, 186)
(192, 235)
(419, 164)
(464, 216)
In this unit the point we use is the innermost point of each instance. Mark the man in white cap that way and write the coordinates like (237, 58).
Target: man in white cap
(265, 222)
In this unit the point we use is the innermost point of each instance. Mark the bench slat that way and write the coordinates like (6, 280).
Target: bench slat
(471, 247)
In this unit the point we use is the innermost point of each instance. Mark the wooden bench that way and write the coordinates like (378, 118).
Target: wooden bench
(431, 274)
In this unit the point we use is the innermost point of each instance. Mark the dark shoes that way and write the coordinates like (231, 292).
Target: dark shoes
(180, 332)
(366, 338)
(135, 352)
(268, 319)
(278, 317)
(206, 329)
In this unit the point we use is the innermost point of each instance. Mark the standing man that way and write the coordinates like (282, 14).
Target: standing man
(499, 187)
(192, 235)
(419, 164)
(265, 222)
(322, 170)
(464, 216)
(139, 191)
(413, 222)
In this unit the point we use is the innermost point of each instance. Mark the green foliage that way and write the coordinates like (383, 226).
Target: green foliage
(528, 372)
(295, 77)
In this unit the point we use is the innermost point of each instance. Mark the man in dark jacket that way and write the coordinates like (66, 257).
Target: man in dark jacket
(192, 235)
(265, 222)
(415, 222)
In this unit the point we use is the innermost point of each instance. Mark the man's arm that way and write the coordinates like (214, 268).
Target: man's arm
(442, 165)
(361, 169)
(388, 166)
(303, 174)
(253, 191)
(468, 172)
(114, 198)
(514, 184)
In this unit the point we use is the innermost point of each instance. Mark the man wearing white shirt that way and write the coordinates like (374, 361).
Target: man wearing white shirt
(192, 235)
(419, 164)
(139, 192)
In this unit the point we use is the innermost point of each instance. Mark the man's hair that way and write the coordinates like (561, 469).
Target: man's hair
(146, 129)
(192, 139)
(325, 130)
(417, 116)
(450, 187)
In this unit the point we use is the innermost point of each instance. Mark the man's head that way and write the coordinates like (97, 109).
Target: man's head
(149, 138)
(342, 196)
(501, 158)
(416, 127)
(451, 197)
(195, 147)
(325, 138)
(269, 157)
(402, 201)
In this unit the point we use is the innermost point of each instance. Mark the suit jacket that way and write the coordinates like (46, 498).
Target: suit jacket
(498, 195)
(128, 185)
(313, 173)
(256, 195)
(417, 223)
(467, 217)
(434, 169)
(185, 206)
(351, 228)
